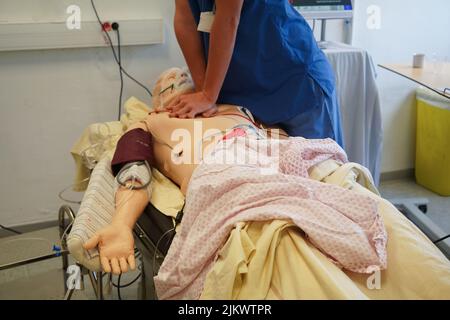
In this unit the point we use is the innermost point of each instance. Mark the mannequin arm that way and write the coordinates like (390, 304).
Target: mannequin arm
(115, 242)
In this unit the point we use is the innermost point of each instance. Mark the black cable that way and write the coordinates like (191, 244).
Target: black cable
(114, 51)
(120, 71)
(119, 286)
(442, 239)
(10, 230)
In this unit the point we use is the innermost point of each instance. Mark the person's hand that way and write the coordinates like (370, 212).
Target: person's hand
(190, 105)
(116, 246)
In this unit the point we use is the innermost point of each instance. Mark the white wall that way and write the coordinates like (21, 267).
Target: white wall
(407, 27)
(48, 97)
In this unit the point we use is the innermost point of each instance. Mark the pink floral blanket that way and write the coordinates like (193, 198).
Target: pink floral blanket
(268, 180)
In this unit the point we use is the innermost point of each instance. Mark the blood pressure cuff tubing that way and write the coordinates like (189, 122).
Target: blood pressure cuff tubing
(135, 145)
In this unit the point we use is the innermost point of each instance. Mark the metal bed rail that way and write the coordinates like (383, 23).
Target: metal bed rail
(96, 278)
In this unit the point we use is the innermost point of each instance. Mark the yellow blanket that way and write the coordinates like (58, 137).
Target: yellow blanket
(273, 260)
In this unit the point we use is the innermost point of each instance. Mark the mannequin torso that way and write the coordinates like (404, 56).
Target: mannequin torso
(179, 144)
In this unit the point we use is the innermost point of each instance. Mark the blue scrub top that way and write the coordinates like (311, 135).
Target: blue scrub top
(276, 65)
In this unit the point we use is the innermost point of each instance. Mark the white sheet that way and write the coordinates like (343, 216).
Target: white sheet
(360, 105)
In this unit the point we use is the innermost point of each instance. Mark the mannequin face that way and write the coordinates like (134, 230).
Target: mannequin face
(170, 85)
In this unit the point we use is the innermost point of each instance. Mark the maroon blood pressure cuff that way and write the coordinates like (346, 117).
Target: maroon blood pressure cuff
(135, 145)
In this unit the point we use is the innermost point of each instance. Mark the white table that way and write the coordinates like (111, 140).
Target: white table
(360, 104)
(434, 76)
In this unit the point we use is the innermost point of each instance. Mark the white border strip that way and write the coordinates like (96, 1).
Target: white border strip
(56, 35)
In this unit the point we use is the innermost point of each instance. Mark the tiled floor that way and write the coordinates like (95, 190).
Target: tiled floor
(46, 283)
(44, 280)
(438, 208)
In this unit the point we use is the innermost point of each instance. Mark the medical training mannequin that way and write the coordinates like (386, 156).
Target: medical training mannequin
(189, 138)
(178, 146)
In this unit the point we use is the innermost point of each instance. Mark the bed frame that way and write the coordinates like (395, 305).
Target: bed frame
(415, 209)
(151, 257)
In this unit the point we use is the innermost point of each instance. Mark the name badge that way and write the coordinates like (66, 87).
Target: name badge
(206, 21)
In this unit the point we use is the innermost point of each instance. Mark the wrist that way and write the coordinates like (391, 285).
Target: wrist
(210, 96)
(199, 85)
(120, 223)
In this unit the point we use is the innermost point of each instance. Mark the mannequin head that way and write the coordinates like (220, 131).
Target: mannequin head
(171, 84)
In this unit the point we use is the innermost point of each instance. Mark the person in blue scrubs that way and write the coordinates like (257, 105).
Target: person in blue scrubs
(259, 54)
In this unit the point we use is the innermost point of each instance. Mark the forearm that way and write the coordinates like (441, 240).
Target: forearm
(222, 43)
(115, 241)
(191, 46)
(130, 204)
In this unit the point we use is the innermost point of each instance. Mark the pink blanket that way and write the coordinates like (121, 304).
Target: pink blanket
(342, 224)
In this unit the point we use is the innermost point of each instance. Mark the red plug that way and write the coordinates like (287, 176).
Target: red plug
(106, 26)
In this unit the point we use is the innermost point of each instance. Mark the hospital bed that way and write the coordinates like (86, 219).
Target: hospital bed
(154, 232)
(150, 258)
(411, 254)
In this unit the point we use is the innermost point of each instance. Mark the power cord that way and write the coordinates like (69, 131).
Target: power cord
(117, 56)
(442, 239)
(115, 26)
(118, 285)
(61, 193)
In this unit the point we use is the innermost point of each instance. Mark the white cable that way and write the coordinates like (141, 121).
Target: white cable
(27, 239)
(60, 194)
(99, 147)
(39, 239)
(122, 203)
(65, 231)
